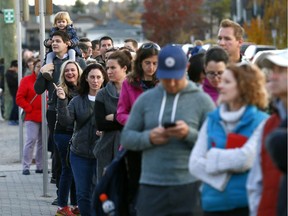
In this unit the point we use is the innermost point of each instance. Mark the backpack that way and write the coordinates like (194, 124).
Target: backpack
(120, 182)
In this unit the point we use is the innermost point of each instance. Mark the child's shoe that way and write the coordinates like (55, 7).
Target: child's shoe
(47, 75)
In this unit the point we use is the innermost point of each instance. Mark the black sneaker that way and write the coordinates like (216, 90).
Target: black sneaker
(39, 171)
(26, 172)
(53, 180)
(55, 202)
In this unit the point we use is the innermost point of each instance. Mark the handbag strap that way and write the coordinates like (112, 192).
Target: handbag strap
(30, 102)
(33, 98)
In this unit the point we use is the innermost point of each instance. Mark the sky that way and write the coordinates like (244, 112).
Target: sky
(68, 2)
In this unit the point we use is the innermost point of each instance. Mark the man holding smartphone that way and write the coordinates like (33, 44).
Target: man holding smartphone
(165, 130)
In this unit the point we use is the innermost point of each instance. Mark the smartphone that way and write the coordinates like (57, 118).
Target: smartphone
(169, 124)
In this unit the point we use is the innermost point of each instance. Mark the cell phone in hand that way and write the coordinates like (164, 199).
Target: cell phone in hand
(169, 124)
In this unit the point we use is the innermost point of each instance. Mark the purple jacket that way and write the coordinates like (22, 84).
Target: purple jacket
(210, 90)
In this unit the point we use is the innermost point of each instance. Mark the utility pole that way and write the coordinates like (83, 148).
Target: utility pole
(8, 48)
(43, 98)
(41, 10)
(21, 14)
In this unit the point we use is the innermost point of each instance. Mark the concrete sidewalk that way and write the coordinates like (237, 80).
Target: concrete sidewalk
(19, 194)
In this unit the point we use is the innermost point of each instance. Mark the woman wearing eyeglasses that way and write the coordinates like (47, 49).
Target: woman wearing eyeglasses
(226, 145)
(215, 63)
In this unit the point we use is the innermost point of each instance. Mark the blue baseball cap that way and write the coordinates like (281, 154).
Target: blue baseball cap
(172, 62)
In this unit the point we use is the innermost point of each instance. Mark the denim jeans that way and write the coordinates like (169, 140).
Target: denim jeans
(84, 171)
(66, 178)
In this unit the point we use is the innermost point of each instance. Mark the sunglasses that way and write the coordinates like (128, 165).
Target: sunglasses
(212, 75)
(151, 45)
(112, 49)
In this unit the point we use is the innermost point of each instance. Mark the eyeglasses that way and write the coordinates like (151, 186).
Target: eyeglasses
(112, 49)
(212, 74)
(150, 45)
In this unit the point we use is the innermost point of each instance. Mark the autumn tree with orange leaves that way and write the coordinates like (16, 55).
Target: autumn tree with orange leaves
(275, 17)
(256, 32)
(172, 21)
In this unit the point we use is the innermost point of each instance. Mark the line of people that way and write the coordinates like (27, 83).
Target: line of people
(183, 133)
(57, 78)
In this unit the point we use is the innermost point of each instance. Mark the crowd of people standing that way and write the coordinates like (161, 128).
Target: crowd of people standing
(201, 130)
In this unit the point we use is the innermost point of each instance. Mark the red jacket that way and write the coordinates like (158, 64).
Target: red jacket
(271, 175)
(24, 96)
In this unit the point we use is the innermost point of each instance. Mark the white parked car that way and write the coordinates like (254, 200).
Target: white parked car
(252, 50)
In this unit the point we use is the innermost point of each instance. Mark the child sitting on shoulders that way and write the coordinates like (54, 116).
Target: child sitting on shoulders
(62, 22)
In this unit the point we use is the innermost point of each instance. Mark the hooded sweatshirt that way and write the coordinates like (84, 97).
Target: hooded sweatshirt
(165, 164)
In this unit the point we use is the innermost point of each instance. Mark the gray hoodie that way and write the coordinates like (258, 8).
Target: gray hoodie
(166, 164)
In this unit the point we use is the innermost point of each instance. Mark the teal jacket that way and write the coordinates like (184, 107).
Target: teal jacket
(234, 195)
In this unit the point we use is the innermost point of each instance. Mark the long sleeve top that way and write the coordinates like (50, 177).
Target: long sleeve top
(166, 164)
(24, 97)
(70, 30)
(12, 81)
(41, 84)
(224, 170)
(129, 93)
(80, 112)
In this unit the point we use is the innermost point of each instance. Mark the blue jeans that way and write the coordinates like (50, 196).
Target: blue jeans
(66, 178)
(84, 171)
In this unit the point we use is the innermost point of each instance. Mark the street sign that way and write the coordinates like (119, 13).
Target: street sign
(8, 16)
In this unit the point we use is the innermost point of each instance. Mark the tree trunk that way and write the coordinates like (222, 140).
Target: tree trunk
(8, 48)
